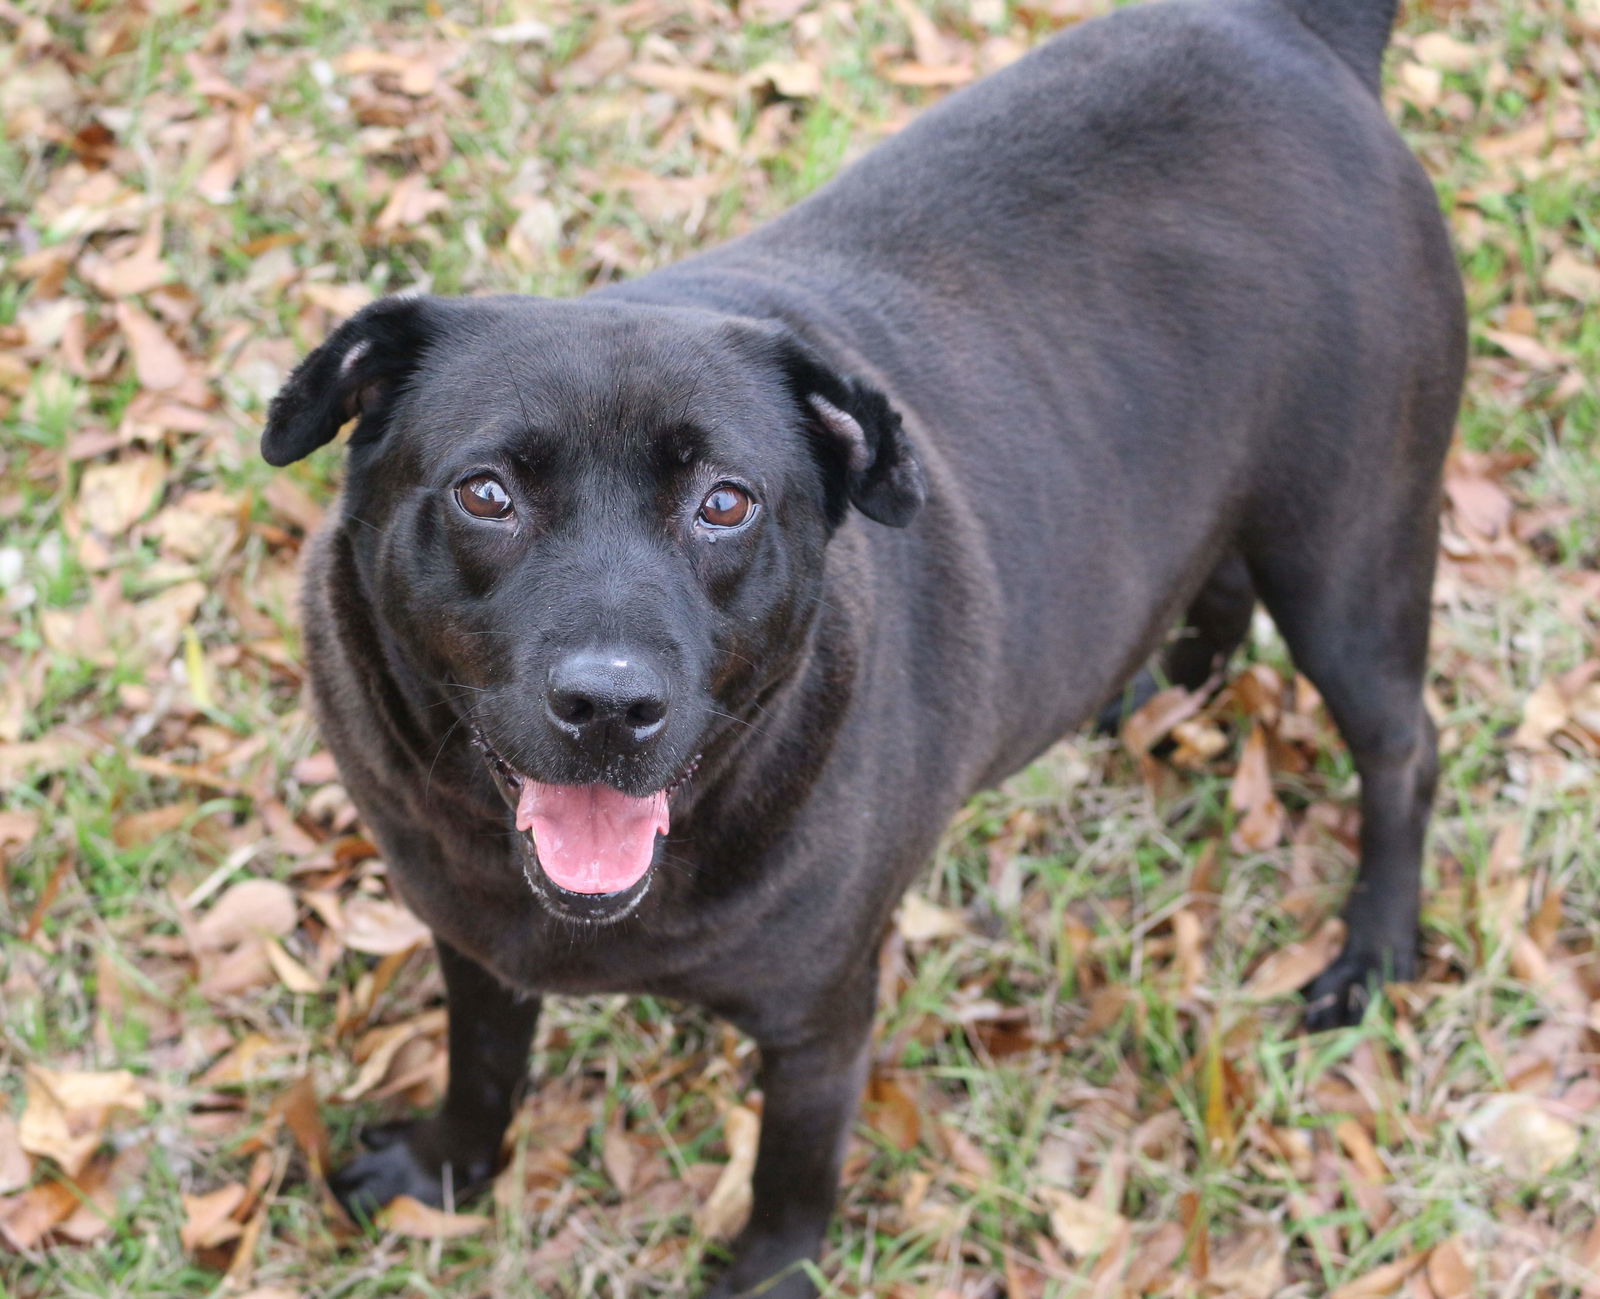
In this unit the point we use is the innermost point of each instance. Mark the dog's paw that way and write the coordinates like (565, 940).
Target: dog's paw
(1340, 995)
(400, 1160)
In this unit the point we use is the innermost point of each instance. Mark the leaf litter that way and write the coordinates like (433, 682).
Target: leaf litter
(1087, 1086)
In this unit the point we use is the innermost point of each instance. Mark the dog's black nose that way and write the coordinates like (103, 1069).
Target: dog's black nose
(607, 699)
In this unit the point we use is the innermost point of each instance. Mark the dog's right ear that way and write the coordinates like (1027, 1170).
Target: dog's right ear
(354, 373)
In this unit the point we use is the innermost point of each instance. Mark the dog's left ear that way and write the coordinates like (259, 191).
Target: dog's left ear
(860, 438)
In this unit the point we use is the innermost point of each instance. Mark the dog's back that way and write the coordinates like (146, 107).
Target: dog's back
(1180, 230)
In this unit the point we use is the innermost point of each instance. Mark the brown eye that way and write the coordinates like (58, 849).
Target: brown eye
(726, 506)
(484, 496)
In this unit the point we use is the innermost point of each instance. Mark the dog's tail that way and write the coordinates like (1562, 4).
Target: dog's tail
(1356, 30)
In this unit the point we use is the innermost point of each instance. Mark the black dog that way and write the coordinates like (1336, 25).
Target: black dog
(1161, 318)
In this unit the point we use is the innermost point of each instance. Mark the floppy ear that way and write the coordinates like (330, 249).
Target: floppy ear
(861, 436)
(354, 373)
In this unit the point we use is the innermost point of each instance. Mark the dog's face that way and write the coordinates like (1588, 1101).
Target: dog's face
(600, 527)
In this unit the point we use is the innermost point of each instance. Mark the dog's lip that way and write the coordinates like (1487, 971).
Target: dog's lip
(515, 779)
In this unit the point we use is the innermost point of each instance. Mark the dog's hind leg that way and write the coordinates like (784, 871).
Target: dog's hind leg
(1350, 589)
(456, 1150)
(1215, 624)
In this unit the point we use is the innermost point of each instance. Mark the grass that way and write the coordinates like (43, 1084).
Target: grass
(1085, 1025)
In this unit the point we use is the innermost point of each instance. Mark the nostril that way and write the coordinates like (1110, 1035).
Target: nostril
(646, 712)
(571, 707)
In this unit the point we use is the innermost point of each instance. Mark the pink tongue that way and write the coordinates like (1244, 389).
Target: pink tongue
(591, 838)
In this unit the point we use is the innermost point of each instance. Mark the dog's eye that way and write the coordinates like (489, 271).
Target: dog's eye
(484, 496)
(726, 506)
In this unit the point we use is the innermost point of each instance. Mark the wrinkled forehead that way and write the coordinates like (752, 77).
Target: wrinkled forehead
(560, 382)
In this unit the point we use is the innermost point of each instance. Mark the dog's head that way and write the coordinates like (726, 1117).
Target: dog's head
(601, 527)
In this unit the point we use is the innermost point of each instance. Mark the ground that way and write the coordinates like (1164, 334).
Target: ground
(1091, 1078)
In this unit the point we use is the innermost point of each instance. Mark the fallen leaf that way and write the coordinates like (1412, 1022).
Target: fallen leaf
(1251, 793)
(379, 927)
(297, 1105)
(208, 1220)
(1250, 1265)
(1448, 1272)
(1565, 274)
(1519, 1133)
(889, 1110)
(141, 827)
(113, 497)
(728, 1205)
(66, 1113)
(1153, 720)
(1381, 1281)
(34, 1214)
(251, 908)
(412, 1218)
(619, 1158)
(1439, 49)
(1292, 967)
(412, 202)
(16, 1169)
(1081, 1227)
(921, 921)
(156, 359)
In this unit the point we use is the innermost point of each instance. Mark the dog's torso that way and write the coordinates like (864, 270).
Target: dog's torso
(1119, 314)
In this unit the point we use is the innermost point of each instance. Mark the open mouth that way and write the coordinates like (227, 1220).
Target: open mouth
(590, 840)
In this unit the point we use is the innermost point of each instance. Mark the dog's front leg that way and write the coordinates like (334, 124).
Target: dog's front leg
(810, 1088)
(458, 1148)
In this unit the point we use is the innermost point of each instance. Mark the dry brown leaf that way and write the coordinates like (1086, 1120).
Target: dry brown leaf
(15, 1167)
(921, 921)
(16, 830)
(1481, 505)
(208, 1218)
(380, 927)
(1294, 966)
(156, 359)
(1381, 1282)
(1519, 1133)
(251, 908)
(33, 1215)
(67, 1112)
(411, 203)
(1566, 275)
(113, 497)
(1188, 936)
(619, 1158)
(1448, 1272)
(379, 1046)
(410, 1217)
(1545, 711)
(141, 827)
(1439, 49)
(243, 1062)
(1262, 825)
(338, 300)
(1529, 351)
(1250, 1265)
(1153, 720)
(294, 976)
(890, 1111)
(792, 80)
(297, 1105)
(728, 1205)
(1081, 1227)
